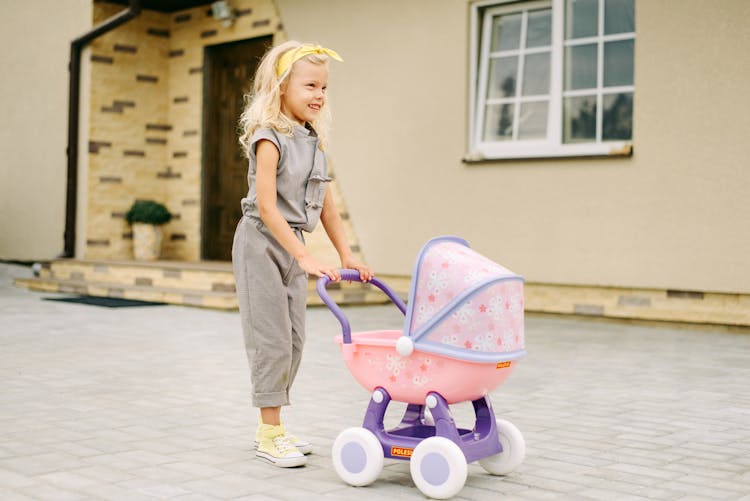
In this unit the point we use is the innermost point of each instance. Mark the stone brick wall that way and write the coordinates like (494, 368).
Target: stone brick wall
(128, 124)
(145, 134)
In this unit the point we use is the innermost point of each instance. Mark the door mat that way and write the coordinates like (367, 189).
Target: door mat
(108, 302)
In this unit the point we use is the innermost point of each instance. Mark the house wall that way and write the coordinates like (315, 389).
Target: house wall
(34, 104)
(675, 215)
(146, 116)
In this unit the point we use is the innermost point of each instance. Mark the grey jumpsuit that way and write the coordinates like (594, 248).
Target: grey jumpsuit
(271, 286)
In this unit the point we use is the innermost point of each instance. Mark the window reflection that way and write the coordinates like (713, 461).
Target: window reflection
(581, 18)
(580, 67)
(502, 77)
(532, 122)
(498, 124)
(617, 116)
(580, 119)
(619, 16)
(618, 63)
(539, 30)
(536, 74)
(507, 32)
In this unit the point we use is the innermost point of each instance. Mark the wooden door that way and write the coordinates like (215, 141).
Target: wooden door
(228, 74)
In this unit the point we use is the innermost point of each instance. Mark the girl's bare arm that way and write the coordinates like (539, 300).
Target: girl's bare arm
(267, 160)
(331, 220)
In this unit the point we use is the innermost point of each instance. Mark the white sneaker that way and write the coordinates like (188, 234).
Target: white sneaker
(303, 446)
(275, 447)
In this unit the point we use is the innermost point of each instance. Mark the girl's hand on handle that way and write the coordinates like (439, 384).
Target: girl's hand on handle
(365, 272)
(314, 267)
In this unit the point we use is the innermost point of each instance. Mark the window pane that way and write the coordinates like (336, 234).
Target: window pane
(617, 116)
(618, 63)
(579, 119)
(619, 16)
(536, 74)
(498, 122)
(580, 67)
(539, 30)
(506, 32)
(532, 124)
(581, 18)
(503, 75)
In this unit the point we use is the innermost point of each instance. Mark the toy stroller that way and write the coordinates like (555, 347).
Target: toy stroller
(462, 336)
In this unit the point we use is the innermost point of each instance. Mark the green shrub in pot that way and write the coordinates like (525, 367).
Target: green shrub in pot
(148, 212)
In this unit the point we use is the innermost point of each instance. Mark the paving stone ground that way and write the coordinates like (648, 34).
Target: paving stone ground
(153, 403)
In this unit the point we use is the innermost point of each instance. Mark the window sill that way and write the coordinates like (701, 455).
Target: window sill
(604, 150)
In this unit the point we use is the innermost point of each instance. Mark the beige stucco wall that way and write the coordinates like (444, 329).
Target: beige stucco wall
(673, 216)
(34, 108)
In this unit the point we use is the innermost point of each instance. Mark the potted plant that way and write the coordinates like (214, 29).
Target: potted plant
(146, 217)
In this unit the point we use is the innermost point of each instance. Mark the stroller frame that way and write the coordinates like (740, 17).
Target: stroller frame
(399, 442)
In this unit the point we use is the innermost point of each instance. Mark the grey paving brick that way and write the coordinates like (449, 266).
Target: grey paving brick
(6, 494)
(66, 480)
(197, 497)
(705, 491)
(256, 497)
(605, 495)
(114, 492)
(38, 464)
(52, 493)
(228, 486)
(543, 494)
(194, 470)
(104, 474)
(643, 471)
(11, 479)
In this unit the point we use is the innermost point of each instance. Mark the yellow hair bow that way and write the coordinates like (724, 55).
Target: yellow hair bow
(291, 56)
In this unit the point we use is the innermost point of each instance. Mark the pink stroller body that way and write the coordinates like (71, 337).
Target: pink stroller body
(376, 363)
(463, 335)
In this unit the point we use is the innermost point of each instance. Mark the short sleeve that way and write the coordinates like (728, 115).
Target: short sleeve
(268, 134)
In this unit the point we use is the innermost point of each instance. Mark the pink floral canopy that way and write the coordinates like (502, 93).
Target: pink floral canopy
(463, 305)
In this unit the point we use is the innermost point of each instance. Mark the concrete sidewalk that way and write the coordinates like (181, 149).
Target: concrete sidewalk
(153, 403)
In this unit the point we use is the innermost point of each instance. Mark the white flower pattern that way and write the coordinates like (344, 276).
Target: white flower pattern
(464, 313)
(491, 320)
(395, 364)
(438, 282)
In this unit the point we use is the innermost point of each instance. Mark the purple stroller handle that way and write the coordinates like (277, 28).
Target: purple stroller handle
(353, 276)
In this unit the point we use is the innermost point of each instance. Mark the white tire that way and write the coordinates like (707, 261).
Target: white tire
(357, 456)
(514, 450)
(438, 468)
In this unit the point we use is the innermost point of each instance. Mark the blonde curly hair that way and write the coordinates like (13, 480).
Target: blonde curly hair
(263, 104)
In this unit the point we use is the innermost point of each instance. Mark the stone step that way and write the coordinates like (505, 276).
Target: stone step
(207, 284)
(344, 294)
(171, 295)
(197, 277)
(202, 276)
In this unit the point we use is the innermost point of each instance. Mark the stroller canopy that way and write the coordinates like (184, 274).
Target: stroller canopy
(463, 305)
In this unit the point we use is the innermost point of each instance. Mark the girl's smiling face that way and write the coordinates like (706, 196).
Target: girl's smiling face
(304, 93)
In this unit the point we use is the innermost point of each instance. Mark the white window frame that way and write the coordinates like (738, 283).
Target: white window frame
(552, 146)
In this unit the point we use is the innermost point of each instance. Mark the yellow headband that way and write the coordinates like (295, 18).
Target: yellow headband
(291, 56)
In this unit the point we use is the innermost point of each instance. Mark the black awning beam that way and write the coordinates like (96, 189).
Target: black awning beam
(76, 48)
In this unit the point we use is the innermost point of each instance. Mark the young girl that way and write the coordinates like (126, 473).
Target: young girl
(285, 129)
